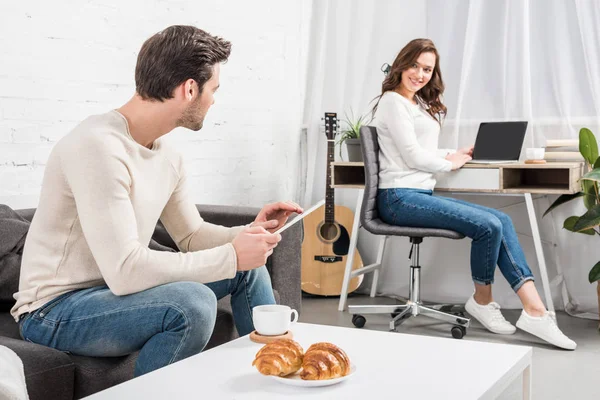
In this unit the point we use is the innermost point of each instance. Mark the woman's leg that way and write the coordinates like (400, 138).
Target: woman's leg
(407, 208)
(166, 323)
(483, 294)
(512, 264)
(532, 302)
(417, 208)
(511, 261)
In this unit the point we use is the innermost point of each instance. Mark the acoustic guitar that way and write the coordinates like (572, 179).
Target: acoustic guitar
(326, 238)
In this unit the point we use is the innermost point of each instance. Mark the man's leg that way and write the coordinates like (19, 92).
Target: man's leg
(248, 289)
(167, 323)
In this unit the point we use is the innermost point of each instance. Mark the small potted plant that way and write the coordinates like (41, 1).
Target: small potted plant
(588, 223)
(351, 136)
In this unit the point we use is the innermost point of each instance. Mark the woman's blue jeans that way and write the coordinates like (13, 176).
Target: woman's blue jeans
(494, 237)
(166, 323)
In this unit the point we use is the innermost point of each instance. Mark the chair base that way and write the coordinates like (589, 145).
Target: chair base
(403, 312)
(414, 306)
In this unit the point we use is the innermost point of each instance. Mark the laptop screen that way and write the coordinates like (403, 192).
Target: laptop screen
(499, 140)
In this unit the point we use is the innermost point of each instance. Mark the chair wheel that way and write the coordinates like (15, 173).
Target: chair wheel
(358, 320)
(458, 332)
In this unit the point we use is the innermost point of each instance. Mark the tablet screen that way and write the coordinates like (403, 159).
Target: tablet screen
(300, 216)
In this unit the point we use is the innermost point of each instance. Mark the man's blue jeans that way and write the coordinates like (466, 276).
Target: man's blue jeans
(166, 323)
(495, 240)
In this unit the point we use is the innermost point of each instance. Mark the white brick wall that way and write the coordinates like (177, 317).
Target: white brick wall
(64, 60)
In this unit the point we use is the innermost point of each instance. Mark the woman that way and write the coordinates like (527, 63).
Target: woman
(408, 116)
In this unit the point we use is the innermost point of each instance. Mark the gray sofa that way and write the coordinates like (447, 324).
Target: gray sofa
(51, 374)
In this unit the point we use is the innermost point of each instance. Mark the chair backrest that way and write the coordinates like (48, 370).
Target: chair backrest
(369, 215)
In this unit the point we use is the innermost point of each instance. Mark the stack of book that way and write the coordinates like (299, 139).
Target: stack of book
(562, 150)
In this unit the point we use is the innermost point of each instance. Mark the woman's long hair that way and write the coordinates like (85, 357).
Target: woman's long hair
(430, 95)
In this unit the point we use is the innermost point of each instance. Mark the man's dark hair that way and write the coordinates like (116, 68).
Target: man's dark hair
(174, 55)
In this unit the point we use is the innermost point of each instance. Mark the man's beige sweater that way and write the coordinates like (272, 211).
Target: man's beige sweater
(101, 198)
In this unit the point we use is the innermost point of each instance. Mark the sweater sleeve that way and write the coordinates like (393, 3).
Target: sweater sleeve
(100, 185)
(400, 124)
(444, 152)
(185, 225)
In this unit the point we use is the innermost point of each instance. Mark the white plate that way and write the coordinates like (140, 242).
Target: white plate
(295, 379)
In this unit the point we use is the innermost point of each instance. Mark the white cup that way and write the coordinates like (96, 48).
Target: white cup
(273, 319)
(535, 153)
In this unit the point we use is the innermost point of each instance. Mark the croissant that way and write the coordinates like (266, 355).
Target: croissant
(281, 357)
(324, 361)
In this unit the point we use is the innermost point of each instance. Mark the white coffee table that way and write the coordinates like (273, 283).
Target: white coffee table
(388, 364)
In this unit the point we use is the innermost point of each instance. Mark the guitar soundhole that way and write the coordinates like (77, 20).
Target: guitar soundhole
(329, 232)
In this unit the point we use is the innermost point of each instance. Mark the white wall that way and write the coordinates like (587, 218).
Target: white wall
(61, 61)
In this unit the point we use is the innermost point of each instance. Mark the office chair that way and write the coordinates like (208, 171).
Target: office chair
(370, 221)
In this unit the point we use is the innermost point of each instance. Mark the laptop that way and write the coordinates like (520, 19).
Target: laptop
(499, 142)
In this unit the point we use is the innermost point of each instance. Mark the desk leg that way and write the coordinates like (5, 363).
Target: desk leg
(527, 383)
(539, 251)
(562, 285)
(350, 257)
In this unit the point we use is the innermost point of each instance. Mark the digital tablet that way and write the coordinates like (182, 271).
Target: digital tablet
(300, 216)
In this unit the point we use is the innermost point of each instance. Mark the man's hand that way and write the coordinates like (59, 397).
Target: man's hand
(458, 159)
(467, 151)
(253, 246)
(273, 216)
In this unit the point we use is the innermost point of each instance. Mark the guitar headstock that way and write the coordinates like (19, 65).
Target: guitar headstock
(331, 125)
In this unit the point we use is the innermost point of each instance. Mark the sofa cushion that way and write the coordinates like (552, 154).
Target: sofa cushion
(10, 269)
(8, 326)
(26, 213)
(13, 230)
(93, 374)
(49, 373)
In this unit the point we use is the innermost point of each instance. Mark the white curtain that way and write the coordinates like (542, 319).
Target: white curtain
(533, 60)
(349, 42)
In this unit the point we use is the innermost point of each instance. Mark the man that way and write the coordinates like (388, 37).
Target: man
(89, 283)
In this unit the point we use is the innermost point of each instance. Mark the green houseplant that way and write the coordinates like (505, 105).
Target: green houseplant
(589, 222)
(351, 136)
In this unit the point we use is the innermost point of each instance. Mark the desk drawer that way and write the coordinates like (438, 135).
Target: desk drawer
(469, 179)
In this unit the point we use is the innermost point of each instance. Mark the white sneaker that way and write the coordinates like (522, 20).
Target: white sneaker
(545, 328)
(490, 317)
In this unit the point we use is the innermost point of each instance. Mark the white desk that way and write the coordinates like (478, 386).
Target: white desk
(508, 179)
(387, 365)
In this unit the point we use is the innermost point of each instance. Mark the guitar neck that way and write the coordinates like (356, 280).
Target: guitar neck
(329, 191)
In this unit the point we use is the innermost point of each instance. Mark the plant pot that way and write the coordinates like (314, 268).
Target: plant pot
(354, 151)
(598, 289)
